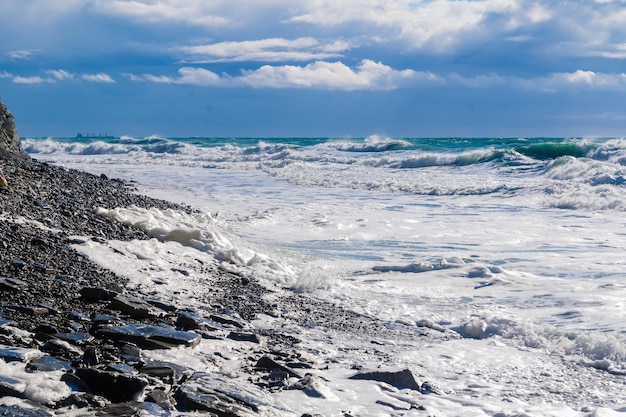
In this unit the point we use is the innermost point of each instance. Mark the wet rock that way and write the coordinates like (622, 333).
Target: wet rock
(228, 320)
(150, 337)
(313, 386)
(24, 410)
(244, 337)
(11, 387)
(114, 386)
(14, 353)
(97, 293)
(162, 398)
(197, 395)
(101, 319)
(61, 348)
(188, 320)
(33, 310)
(271, 365)
(133, 307)
(399, 379)
(11, 284)
(47, 364)
(75, 338)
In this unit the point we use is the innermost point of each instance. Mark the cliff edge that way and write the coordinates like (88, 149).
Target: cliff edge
(9, 138)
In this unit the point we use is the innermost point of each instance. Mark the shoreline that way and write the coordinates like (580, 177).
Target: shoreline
(196, 338)
(71, 319)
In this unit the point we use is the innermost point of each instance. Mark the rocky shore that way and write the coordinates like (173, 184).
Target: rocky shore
(70, 324)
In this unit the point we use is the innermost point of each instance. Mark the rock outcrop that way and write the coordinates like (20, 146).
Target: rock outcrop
(9, 138)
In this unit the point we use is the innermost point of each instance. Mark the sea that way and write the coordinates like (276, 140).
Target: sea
(512, 249)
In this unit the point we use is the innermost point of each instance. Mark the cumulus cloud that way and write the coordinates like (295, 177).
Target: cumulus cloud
(367, 75)
(268, 50)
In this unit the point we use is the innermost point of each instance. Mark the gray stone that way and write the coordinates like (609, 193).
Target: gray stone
(271, 365)
(11, 387)
(133, 307)
(97, 293)
(114, 386)
(150, 337)
(399, 379)
(47, 364)
(188, 320)
(13, 353)
(23, 410)
(244, 337)
(9, 138)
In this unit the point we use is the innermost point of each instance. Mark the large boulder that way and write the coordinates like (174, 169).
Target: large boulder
(9, 138)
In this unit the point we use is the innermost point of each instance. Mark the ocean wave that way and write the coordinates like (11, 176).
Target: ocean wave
(546, 151)
(593, 346)
(52, 146)
(428, 159)
(372, 143)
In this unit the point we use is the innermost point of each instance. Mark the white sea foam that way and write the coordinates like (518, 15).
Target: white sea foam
(471, 244)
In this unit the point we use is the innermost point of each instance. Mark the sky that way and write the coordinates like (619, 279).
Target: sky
(349, 68)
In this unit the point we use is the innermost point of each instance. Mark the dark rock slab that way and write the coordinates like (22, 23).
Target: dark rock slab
(97, 293)
(150, 337)
(162, 398)
(13, 353)
(17, 410)
(61, 348)
(47, 364)
(11, 387)
(106, 319)
(244, 337)
(399, 379)
(228, 320)
(163, 370)
(75, 338)
(114, 386)
(271, 365)
(188, 320)
(11, 284)
(33, 310)
(206, 399)
(133, 307)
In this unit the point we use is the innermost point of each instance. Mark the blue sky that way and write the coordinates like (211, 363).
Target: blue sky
(315, 67)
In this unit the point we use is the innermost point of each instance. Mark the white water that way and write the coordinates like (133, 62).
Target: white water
(536, 293)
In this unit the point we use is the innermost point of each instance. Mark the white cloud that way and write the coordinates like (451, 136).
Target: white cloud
(186, 75)
(31, 80)
(19, 55)
(98, 78)
(581, 79)
(268, 50)
(57, 75)
(554, 82)
(60, 75)
(194, 12)
(367, 75)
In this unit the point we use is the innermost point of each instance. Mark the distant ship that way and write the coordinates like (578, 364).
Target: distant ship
(94, 136)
